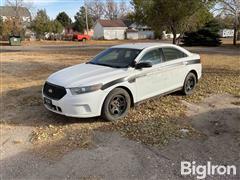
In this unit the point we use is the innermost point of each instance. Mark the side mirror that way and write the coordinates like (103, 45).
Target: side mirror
(143, 65)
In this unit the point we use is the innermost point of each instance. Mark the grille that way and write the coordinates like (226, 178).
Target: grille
(54, 91)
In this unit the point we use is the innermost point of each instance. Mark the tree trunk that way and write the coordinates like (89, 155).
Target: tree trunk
(174, 35)
(174, 38)
(235, 36)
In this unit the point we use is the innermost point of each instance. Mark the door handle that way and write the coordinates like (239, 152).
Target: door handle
(185, 63)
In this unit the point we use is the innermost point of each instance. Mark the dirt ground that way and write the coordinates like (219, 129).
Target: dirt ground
(149, 143)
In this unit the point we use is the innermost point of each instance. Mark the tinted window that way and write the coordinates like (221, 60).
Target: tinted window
(154, 56)
(172, 53)
(116, 57)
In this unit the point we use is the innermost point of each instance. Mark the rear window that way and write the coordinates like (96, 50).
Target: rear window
(172, 53)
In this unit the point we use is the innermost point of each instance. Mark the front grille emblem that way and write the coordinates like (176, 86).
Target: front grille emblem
(50, 90)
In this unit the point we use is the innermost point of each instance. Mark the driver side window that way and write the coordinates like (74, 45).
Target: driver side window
(153, 56)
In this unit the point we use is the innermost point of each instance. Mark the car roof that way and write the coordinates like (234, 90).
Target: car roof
(141, 46)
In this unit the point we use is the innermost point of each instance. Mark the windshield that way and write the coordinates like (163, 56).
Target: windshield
(116, 57)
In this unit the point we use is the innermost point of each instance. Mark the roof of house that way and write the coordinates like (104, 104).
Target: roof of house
(10, 11)
(138, 26)
(112, 23)
(132, 30)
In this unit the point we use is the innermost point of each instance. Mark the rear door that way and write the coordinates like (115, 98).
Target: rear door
(174, 68)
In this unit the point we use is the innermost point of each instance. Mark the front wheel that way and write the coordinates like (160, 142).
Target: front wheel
(116, 105)
(189, 84)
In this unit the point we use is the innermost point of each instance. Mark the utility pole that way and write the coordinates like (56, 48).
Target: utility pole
(86, 16)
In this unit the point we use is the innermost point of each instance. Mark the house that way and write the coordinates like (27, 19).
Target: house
(109, 29)
(9, 12)
(224, 33)
(136, 31)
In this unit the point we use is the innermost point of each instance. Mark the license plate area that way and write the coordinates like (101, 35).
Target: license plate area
(48, 102)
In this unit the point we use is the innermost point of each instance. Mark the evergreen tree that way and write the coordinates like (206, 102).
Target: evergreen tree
(80, 20)
(56, 27)
(41, 23)
(206, 36)
(64, 19)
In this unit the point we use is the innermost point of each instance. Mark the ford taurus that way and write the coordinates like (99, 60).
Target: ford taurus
(119, 77)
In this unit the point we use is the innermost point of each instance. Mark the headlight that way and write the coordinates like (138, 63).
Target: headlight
(85, 89)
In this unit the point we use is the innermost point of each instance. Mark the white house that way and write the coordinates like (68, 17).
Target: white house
(226, 33)
(136, 31)
(109, 29)
(132, 34)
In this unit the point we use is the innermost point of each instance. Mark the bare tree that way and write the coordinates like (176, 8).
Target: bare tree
(95, 9)
(18, 24)
(115, 9)
(123, 9)
(111, 9)
(231, 8)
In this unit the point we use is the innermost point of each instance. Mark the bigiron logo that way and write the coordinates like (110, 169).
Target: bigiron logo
(202, 171)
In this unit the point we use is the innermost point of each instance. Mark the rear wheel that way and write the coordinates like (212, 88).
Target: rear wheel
(116, 104)
(189, 84)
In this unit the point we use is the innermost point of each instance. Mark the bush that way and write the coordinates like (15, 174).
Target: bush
(206, 36)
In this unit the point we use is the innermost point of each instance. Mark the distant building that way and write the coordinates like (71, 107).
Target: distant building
(109, 29)
(132, 34)
(166, 35)
(9, 12)
(136, 31)
(226, 33)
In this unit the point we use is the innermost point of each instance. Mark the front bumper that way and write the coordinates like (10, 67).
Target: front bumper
(82, 106)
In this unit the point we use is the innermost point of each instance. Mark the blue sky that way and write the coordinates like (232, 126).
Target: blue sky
(53, 7)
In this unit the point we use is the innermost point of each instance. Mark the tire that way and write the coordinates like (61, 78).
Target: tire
(189, 84)
(116, 105)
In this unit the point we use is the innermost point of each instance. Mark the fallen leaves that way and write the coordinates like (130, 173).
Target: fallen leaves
(155, 121)
(158, 120)
(59, 140)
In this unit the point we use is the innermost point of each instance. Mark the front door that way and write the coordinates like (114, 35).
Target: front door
(150, 81)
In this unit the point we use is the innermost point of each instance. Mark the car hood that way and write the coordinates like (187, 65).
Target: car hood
(86, 74)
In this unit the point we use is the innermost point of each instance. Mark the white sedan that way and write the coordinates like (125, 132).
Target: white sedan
(119, 77)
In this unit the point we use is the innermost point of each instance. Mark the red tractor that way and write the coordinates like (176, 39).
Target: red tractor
(81, 37)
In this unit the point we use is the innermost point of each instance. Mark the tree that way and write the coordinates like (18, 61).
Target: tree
(41, 23)
(206, 36)
(64, 19)
(18, 24)
(123, 9)
(1, 26)
(111, 9)
(9, 27)
(96, 9)
(231, 8)
(56, 27)
(80, 20)
(176, 16)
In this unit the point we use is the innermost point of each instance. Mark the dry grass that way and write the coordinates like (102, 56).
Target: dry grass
(152, 122)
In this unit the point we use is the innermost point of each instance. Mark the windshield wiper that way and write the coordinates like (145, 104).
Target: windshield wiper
(108, 65)
(90, 62)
